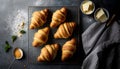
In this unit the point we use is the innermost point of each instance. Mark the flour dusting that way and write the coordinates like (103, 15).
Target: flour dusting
(18, 21)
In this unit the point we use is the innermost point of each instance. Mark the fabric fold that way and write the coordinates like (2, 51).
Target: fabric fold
(104, 53)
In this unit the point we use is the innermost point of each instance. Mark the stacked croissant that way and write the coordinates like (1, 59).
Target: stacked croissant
(65, 30)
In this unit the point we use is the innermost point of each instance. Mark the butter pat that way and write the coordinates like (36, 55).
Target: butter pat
(101, 16)
(87, 6)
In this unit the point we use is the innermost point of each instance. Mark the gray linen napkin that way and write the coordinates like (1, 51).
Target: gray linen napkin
(96, 49)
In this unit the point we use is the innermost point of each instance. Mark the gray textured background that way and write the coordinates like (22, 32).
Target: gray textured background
(9, 17)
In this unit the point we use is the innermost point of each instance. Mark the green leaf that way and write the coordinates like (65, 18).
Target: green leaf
(7, 46)
(14, 37)
(6, 42)
(22, 32)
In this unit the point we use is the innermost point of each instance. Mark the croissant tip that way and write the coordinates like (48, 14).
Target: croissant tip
(64, 8)
(31, 27)
(46, 10)
(35, 44)
(56, 46)
(55, 36)
(52, 25)
(63, 59)
(74, 39)
(39, 59)
(73, 23)
(46, 29)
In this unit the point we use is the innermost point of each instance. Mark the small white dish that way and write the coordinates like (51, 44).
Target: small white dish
(106, 13)
(91, 10)
(20, 53)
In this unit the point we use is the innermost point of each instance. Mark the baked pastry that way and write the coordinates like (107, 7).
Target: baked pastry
(41, 37)
(68, 49)
(58, 17)
(38, 18)
(48, 53)
(65, 30)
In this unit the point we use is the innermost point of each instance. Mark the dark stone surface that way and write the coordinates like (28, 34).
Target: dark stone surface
(9, 9)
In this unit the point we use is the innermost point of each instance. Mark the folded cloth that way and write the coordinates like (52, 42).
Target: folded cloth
(103, 52)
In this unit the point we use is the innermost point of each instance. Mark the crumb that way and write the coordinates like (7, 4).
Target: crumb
(22, 24)
(24, 66)
(20, 27)
(19, 34)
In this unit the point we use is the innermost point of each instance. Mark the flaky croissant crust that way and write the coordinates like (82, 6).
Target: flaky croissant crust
(65, 30)
(68, 49)
(41, 37)
(48, 53)
(58, 17)
(38, 18)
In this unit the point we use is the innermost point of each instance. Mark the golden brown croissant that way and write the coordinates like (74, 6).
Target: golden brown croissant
(38, 18)
(41, 37)
(68, 49)
(58, 17)
(65, 30)
(48, 53)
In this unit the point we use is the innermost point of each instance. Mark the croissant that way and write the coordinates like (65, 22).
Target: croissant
(68, 49)
(38, 18)
(65, 30)
(48, 53)
(41, 37)
(58, 17)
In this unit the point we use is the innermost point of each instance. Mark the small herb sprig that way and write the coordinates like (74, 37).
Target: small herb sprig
(14, 38)
(7, 46)
(22, 31)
